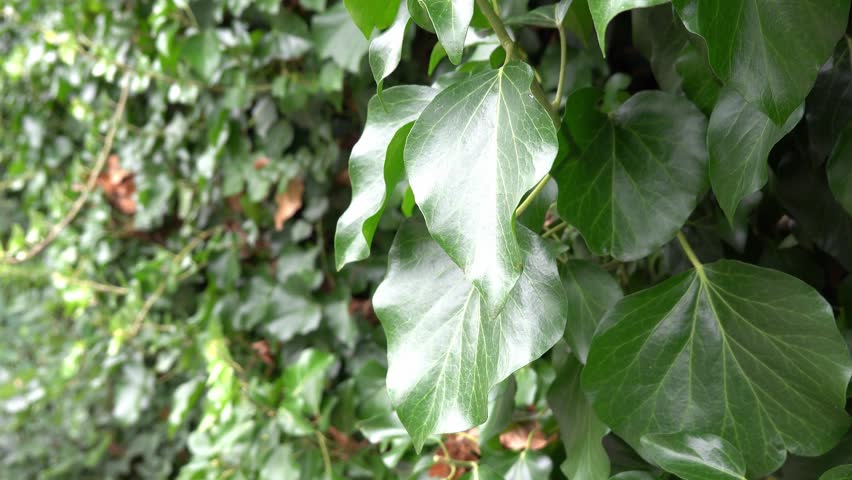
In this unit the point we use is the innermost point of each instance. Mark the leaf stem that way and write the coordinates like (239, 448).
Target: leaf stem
(528, 201)
(326, 459)
(499, 28)
(563, 62)
(693, 258)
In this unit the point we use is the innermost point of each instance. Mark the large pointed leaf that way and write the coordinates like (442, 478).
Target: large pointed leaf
(639, 173)
(474, 152)
(579, 426)
(769, 50)
(591, 292)
(450, 18)
(386, 49)
(603, 11)
(375, 168)
(839, 169)
(444, 352)
(829, 105)
(740, 137)
(749, 354)
(371, 14)
(695, 457)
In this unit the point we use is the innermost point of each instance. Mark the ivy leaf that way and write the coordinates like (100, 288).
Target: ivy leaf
(450, 18)
(386, 49)
(203, 52)
(660, 36)
(639, 173)
(839, 169)
(375, 167)
(501, 404)
(843, 472)
(697, 80)
(524, 465)
(829, 105)
(337, 37)
(371, 14)
(756, 46)
(695, 457)
(579, 426)
(740, 137)
(548, 16)
(633, 475)
(476, 149)
(444, 352)
(749, 354)
(603, 11)
(591, 292)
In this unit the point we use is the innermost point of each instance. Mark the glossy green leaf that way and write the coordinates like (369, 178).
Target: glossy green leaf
(758, 46)
(749, 354)
(695, 457)
(475, 151)
(697, 80)
(451, 19)
(591, 292)
(843, 472)
(524, 465)
(839, 169)
(444, 352)
(639, 171)
(304, 379)
(579, 426)
(603, 11)
(548, 16)
(372, 14)
(203, 52)
(338, 38)
(740, 137)
(386, 49)
(660, 36)
(375, 167)
(829, 105)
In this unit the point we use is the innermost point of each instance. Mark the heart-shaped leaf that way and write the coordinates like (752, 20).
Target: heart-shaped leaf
(749, 354)
(695, 457)
(740, 137)
(375, 167)
(591, 292)
(476, 149)
(444, 352)
(450, 18)
(639, 171)
(759, 47)
(603, 11)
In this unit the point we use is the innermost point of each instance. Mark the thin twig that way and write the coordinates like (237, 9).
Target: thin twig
(563, 63)
(90, 185)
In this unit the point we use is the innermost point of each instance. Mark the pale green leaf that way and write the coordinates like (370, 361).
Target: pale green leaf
(451, 19)
(386, 49)
(372, 14)
(444, 352)
(375, 167)
(639, 173)
(749, 354)
(695, 456)
(740, 137)
(475, 151)
(337, 38)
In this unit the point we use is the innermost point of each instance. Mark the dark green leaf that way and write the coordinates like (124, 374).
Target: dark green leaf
(375, 167)
(444, 352)
(839, 169)
(695, 457)
(697, 80)
(829, 105)
(203, 52)
(603, 11)
(749, 354)
(591, 292)
(639, 173)
(475, 151)
(740, 137)
(843, 472)
(757, 46)
(386, 49)
(660, 36)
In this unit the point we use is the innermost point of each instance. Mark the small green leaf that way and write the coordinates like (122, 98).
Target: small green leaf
(591, 292)
(633, 475)
(579, 426)
(740, 137)
(444, 352)
(305, 378)
(451, 19)
(697, 80)
(749, 354)
(839, 169)
(386, 49)
(843, 472)
(660, 36)
(758, 46)
(501, 405)
(548, 16)
(524, 465)
(639, 171)
(281, 463)
(372, 14)
(603, 11)
(475, 151)
(204, 53)
(375, 168)
(337, 38)
(695, 457)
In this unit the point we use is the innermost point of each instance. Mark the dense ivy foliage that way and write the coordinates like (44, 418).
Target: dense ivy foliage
(303, 239)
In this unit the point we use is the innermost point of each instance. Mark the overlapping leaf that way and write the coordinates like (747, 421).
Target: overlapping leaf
(386, 49)
(376, 166)
(451, 19)
(839, 169)
(476, 149)
(695, 457)
(768, 50)
(603, 11)
(591, 292)
(639, 173)
(749, 354)
(444, 351)
(372, 14)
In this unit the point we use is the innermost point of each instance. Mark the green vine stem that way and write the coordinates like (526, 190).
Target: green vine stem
(690, 254)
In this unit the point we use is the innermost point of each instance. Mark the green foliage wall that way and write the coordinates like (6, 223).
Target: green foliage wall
(307, 239)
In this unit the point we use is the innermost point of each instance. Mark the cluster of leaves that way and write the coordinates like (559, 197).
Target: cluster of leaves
(171, 172)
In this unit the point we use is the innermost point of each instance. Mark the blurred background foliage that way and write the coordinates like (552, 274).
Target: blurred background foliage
(171, 172)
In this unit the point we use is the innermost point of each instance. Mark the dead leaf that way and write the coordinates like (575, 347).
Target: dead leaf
(289, 202)
(463, 446)
(118, 186)
(261, 162)
(261, 348)
(523, 434)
